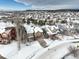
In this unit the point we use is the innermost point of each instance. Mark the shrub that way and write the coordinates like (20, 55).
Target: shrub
(28, 21)
(41, 22)
(63, 21)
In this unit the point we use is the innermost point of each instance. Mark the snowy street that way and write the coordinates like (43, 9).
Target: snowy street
(56, 50)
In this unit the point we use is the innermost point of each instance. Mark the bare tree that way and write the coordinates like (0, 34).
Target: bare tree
(18, 31)
(73, 51)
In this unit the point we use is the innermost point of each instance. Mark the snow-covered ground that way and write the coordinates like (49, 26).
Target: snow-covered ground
(8, 50)
(27, 51)
(33, 51)
(55, 51)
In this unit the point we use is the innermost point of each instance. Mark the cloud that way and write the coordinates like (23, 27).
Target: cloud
(50, 4)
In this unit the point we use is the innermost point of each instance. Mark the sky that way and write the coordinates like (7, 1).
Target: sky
(13, 5)
(38, 4)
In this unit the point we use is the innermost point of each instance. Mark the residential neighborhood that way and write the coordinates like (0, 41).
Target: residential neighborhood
(32, 34)
(39, 29)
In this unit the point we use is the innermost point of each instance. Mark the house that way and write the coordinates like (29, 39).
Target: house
(52, 32)
(35, 34)
(5, 33)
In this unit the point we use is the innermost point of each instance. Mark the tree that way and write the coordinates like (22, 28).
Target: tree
(63, 21)
(41, 22)
(45, 33)
(73, 50)
(34, 22)
(50, 22)
(18, 32)
(28, 21)
(23, 20)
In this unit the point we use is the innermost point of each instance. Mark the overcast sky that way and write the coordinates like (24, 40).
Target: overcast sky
(40, 4)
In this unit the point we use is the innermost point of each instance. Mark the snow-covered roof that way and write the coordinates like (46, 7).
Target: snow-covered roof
(3, 25)
(62, 26)
(49, 29)
(76, 21)
(2, 30)
(7, 24)
(31, 29)
(37, 29)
